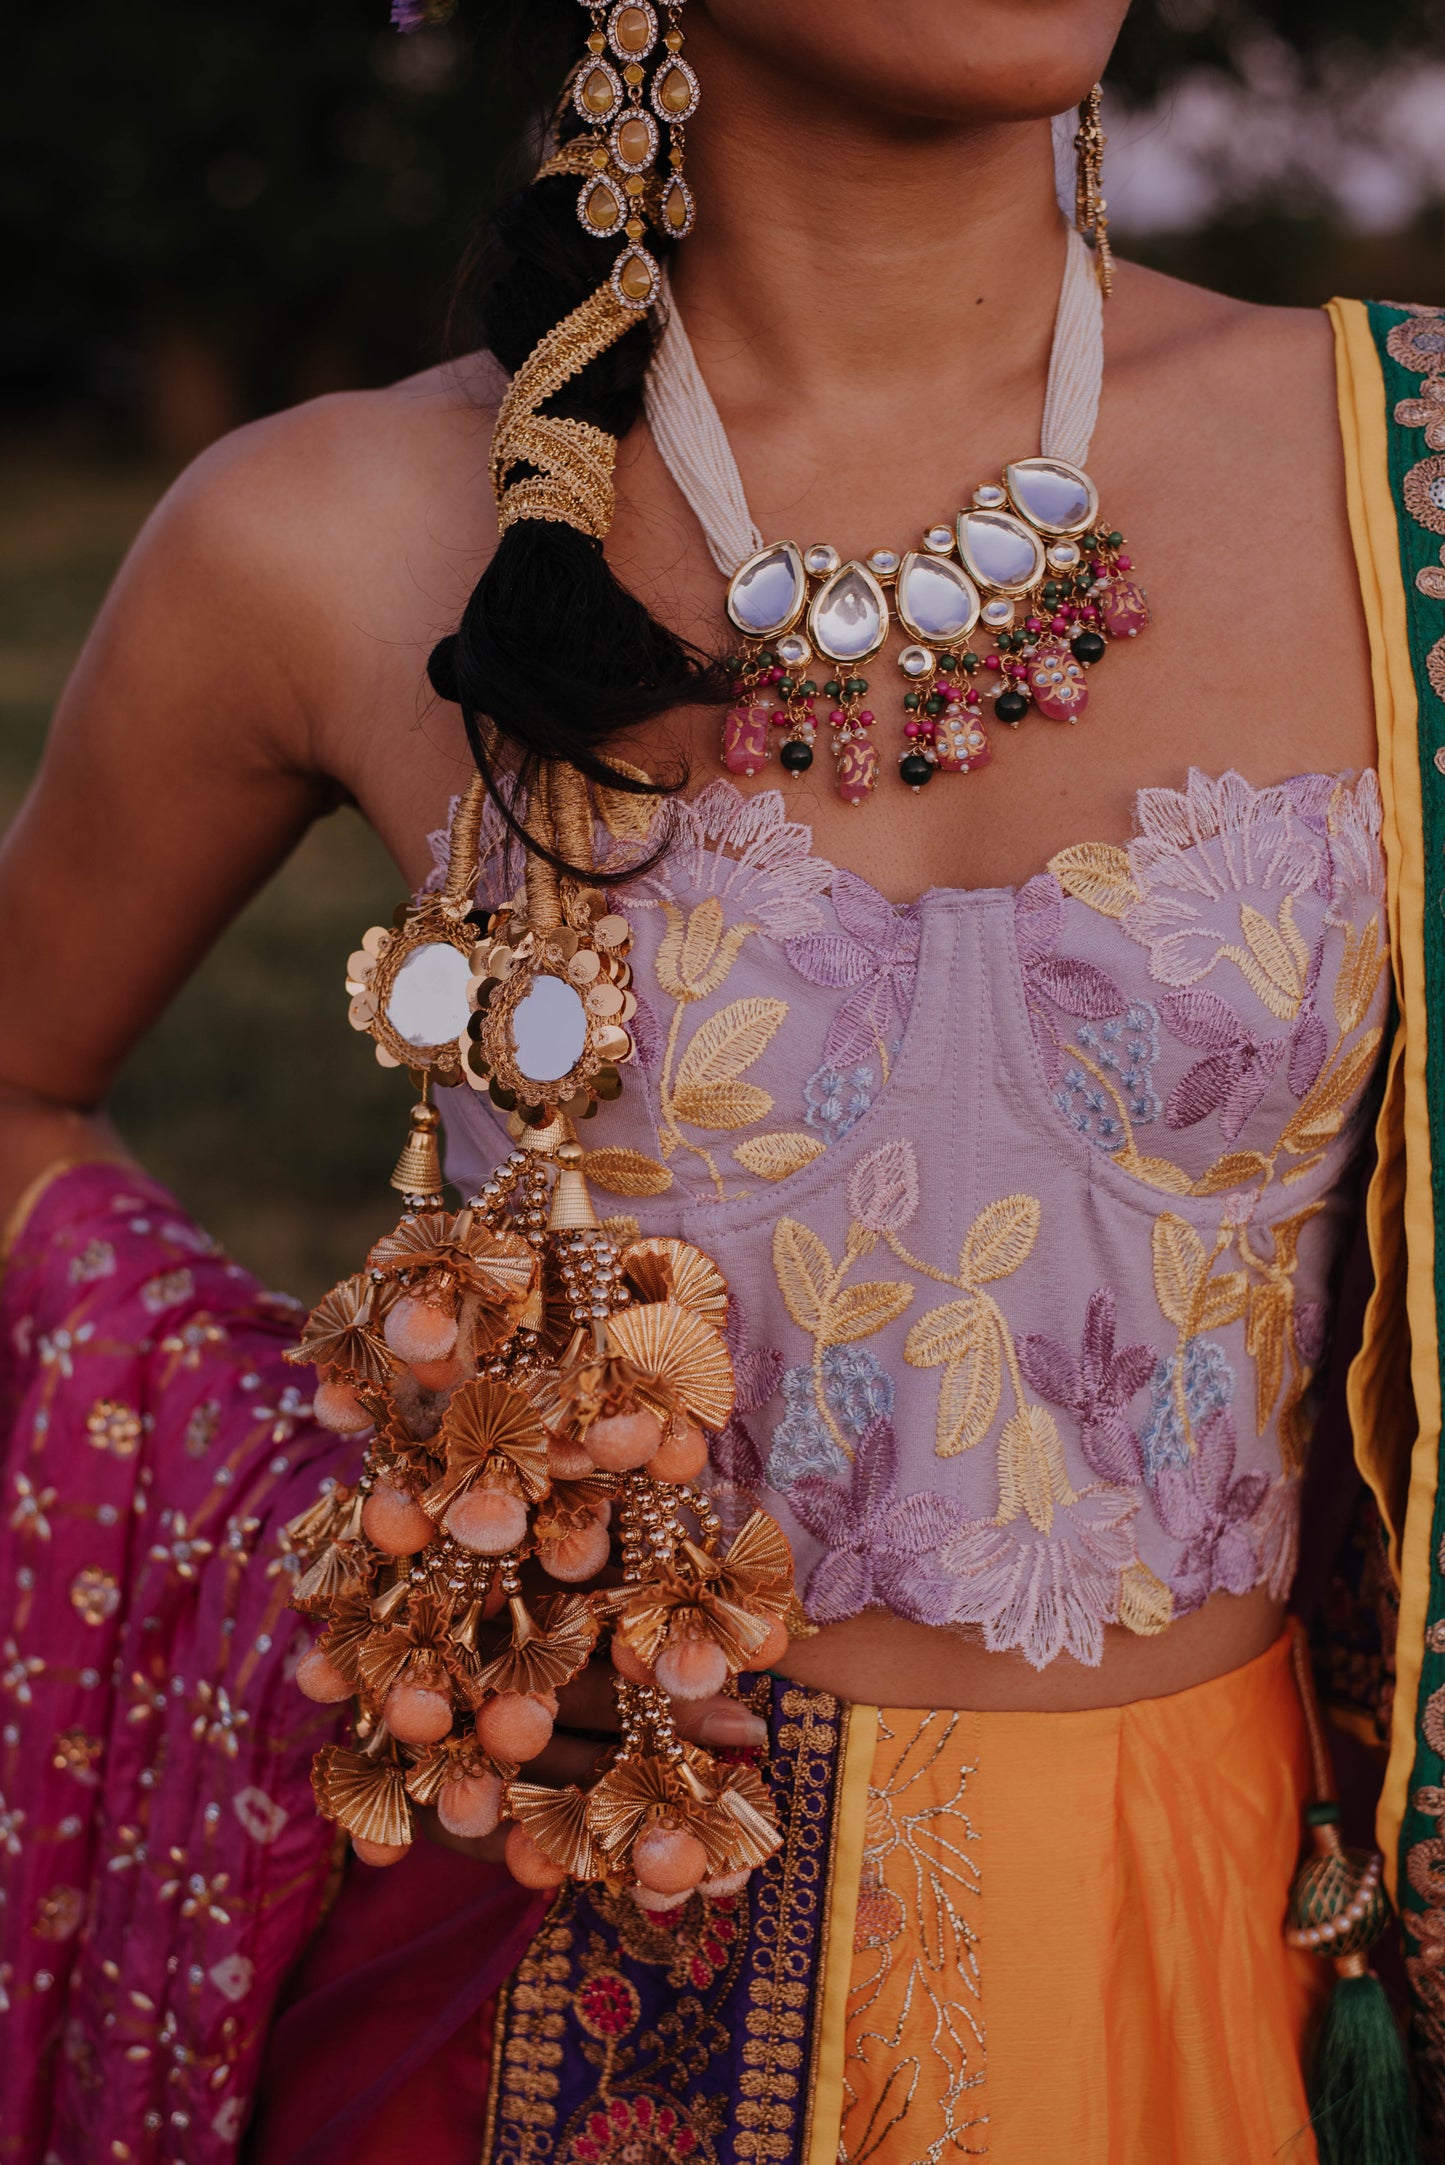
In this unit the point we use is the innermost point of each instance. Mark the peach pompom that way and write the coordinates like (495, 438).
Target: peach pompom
(318, 1676)
(623, 1441)
(417, 1330)
(723, 1884)
(772, 1649)
(378, 1852)
(337, 1407)
(471, 1805)
(438, 1375)
(567, 1460)
(394, 1522)
(528, 1862)
(649, 1898)
(682, 1454)
(488, 1521)
(669, 1860)
(417, 1714)
(516, 1725)
(629, 1666)
(576, 1556)
(691, 1668)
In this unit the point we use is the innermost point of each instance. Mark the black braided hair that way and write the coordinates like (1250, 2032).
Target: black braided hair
(551, 648)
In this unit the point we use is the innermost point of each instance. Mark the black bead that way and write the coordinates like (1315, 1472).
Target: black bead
(1088, 647)
(915, 770)
(1011, 706)
(796, 756)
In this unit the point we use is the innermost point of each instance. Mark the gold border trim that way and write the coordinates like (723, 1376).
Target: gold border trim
(25, 1204)
(1374, 528)
(850, 1815)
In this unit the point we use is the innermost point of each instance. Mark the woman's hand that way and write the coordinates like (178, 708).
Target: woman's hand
(586, 1725)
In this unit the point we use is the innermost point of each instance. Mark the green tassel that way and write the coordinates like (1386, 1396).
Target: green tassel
(1359, 2087)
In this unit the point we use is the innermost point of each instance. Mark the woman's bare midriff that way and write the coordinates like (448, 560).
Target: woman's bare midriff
(885, 1660)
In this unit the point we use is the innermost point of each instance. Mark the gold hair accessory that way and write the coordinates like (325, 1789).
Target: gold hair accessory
(619, 177)
(1090, 208)
(574, 459)
(533, 1399)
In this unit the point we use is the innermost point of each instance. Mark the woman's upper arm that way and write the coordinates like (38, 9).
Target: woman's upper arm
(178, 772)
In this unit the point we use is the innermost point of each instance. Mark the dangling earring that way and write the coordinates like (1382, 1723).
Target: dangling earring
(626, 139)
(1090, 208)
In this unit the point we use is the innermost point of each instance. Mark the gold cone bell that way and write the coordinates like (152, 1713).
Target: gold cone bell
(572, 1210)
(419, 1168)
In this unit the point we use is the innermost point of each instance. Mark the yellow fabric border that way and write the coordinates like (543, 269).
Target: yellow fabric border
(850, 1815)
(25, 1203)
(1374, 527)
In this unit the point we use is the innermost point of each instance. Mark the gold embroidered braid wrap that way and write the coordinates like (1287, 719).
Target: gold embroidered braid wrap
(572, 485)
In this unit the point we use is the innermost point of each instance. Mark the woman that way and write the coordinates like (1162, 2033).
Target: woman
(1031, 1176)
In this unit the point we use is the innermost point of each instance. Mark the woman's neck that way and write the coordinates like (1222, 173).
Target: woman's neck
(840, 247)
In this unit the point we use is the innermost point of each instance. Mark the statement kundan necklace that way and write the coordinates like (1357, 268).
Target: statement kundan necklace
(1010, 600)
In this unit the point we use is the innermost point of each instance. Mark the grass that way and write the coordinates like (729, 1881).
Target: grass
(253, 1098)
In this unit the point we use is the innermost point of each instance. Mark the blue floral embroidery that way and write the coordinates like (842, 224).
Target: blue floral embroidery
(837, 1098)
(1126, 1047)
(1208, 1389)
(858, 1391)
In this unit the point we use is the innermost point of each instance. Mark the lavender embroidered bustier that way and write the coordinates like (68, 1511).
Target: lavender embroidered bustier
(1029, 1200)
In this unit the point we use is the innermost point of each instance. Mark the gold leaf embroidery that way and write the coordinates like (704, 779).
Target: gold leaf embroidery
(860, 1310)
(626, 1172)
(695, 954)
(805, 1272)
(1320, 1117)
(1360, 967)
(1158, 1172)
(1179, 1264)
(1146, 1604)
(1221, 1300)
(1237, 1169)
(945, 1334)
(968, 1394)
(729, 1041)
(700, 943)
(721, 1105)
(1096, 874)
(1031, 1468)
(622, 1230)
(1273, 967)
(774, 1157)
(1270, 1308)
(1000, 1239)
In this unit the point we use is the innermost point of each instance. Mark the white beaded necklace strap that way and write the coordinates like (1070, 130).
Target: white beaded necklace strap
(688, 430)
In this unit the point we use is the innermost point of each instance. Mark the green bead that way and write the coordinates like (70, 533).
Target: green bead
(933, 704)
(832, 688)
(970, 661)
(1116, 539)
(947, 663)
(910, 701)
(856, 686)
(1051, 590)
(810, 689)
(1088, 541)
(785, 687)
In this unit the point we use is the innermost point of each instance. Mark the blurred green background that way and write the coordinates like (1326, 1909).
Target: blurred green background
(209, 212)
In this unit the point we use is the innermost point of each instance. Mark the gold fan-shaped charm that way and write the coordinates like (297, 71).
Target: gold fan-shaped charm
(556, 1819)
(341, 1333)
(673, 1270)
(674, 1348)
(546, 1650)
(366, 1796)
(488, 1423)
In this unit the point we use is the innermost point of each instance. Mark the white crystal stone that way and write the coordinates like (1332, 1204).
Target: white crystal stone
(1058, 498)
(989, 497)
(822, 559)
(916, 661)
(1064, 555)
(999, 550)
(849, 618)
(795, 652)
(998, 615)
(768, 591)
(935, 599)
(883, 563)
(939, 539)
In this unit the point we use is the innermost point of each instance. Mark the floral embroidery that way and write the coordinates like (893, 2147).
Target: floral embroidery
(1095, 1389)
(1207, 1508)
(1126, 1048)
(837, 1098)
(874, 956)
(1053, 982)
(1046, 1593)
(857, 1390)
(878, 1547)
(1238, 1065)
(1185, 1388)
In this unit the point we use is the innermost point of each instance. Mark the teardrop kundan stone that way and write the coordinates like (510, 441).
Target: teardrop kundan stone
(857, 770)
(1123, 608)
(768, 591)
(848, 620)
(1056, 682)
(936, 601)
(1057, 497)
(745, 739)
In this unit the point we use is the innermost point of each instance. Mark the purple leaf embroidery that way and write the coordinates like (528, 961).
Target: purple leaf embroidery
(880, 1549)
(1207, 1508)
(1095, 1389)
(874, 958)
(1056, 982)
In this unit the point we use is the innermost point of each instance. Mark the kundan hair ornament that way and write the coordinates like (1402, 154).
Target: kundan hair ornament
(533, 1398)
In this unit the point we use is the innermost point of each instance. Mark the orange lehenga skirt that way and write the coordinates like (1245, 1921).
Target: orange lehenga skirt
(1059, 1936)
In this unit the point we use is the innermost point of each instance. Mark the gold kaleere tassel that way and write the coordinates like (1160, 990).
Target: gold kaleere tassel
(419, 1168)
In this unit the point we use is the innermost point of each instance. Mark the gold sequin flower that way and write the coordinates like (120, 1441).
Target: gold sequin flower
(94, 1594)
(111, 1425)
